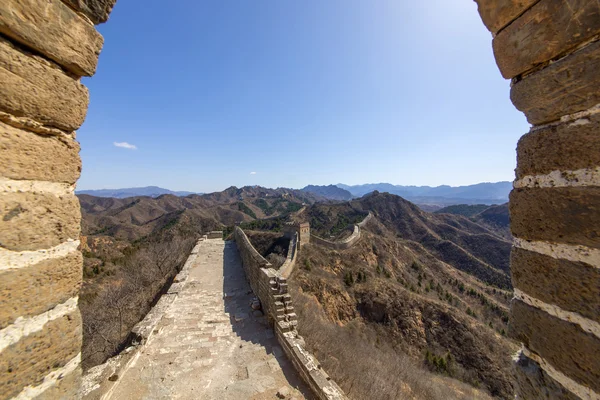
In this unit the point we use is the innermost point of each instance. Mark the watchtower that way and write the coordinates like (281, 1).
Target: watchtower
(302, 229)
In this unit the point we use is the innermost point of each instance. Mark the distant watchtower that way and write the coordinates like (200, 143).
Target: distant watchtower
(302, 229)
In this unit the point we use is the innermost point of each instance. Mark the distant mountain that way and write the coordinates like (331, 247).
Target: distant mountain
(330, 192)
(151, 191)
(466, 210)
(481, 193)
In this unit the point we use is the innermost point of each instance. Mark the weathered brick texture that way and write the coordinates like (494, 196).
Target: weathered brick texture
(54, 30)
(563, 344)
(573, 286)
(559, 147)
(36, 289)
(568, 215)
(34, 88)
(496, 14)
(547, 30)
(565, 87)
(26, 362)
(96, 10)
(26, 155)
(33, 221)
(533, 382)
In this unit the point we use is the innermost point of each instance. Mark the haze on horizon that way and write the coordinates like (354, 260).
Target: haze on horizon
(200, 97)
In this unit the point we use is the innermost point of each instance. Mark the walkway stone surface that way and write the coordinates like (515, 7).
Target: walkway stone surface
(209, 343)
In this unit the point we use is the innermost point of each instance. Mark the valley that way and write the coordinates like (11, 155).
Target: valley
(432, 289)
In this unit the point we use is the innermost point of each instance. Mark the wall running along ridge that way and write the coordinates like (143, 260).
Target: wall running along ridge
(344, 243)
(271, 289)
(45, 48)
(550, 50)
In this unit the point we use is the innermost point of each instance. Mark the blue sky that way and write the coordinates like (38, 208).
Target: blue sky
(290, 93)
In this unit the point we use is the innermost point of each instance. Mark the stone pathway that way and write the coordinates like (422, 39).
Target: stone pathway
(209, 344)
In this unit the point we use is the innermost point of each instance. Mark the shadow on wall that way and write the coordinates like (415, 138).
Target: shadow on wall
(248, 324)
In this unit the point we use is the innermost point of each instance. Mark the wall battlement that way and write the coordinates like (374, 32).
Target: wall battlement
(347, 242)
(271, 289)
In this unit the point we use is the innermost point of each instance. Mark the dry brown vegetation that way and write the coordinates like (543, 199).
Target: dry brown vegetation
(368, 367)
(116, 298)
(395, 317)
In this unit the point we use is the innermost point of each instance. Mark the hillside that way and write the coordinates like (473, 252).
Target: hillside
(133, 247)
(466, 210)
(330, 192)
(433, 289)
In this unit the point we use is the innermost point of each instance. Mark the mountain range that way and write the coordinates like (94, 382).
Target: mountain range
(480, 193)
(151, 191)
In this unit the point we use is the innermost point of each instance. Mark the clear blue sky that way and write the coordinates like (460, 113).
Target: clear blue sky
(290, 93)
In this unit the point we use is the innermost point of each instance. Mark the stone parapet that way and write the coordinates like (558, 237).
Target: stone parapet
(551, 52)
(45, 48)
(271, 289)
(344, 243)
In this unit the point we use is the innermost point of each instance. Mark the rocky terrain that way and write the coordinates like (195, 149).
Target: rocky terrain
(133, 247)
(432, 289)
(427, 292)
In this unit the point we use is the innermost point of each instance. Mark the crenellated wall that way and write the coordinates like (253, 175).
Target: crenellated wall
(45, 48)
(550, 50)
(271, 289)
(344, 243)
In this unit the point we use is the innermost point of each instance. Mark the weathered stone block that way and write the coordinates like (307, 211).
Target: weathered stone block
(545, 31)
(568, 215)
(562, 344)
(32, 221)
(26, 155)
(532, 382)
(54, 30)
(565, 87)
(573, 286)
(32, 87)
(38, 288)
(496, 14)
(66, 388)
(28, 361)
(96, 10)
(559, 147)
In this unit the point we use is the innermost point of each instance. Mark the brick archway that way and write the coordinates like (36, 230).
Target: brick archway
(548, 48)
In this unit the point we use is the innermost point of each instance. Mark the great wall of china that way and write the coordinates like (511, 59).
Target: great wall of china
(549, 49)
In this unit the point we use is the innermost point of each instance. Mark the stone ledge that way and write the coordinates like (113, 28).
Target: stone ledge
(564, 345)
(28, 361)
(33, 221)
(533, 382)
(573, 286)
(29, 156)
(566, 215)
(547, 30)
(96, 10)
(565, 87)
(34, 88)
(38, 288)
(496, 14)
(54, 30)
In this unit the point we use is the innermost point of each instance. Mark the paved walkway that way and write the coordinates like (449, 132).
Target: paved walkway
(208, 344)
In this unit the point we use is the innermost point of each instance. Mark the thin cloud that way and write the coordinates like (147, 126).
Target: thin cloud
(252, 173)
(125, 145)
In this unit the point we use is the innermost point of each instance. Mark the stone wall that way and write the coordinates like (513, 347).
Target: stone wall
(271, 289)
(550, 50)
(45, 48)
(288, 266)
(344, 243)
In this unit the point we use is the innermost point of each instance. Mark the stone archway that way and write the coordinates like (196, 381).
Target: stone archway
(550, 50)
